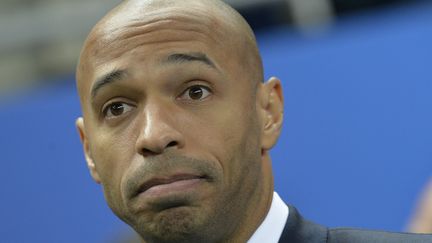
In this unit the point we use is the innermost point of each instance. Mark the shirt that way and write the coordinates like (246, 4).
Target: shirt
(271, 228)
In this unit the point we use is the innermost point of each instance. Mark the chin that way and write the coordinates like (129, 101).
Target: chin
(177, 224)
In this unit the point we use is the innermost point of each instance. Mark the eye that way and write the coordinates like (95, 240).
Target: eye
(116, 109)
(196, 92)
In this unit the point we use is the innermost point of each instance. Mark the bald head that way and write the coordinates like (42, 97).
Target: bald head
(213, 18)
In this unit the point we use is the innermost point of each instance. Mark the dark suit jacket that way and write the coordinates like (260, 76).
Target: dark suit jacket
(299, 230)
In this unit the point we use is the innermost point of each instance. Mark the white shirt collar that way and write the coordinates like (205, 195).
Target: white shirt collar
(271, 228)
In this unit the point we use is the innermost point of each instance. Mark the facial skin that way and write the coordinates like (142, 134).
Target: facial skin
(177, 122)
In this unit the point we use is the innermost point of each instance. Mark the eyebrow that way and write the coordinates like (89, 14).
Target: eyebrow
(189, 57)
(119, 74)
(106, 79)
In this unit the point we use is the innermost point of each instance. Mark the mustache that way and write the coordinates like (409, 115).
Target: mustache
(164, 166)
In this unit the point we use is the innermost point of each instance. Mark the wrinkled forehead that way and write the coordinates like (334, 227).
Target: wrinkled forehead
(126, 30)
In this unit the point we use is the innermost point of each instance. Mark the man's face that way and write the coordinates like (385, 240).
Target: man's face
(172, 127)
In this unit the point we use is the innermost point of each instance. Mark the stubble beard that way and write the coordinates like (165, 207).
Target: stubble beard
(171, 225)
(205, 223)
(217, 223)
(182, 224)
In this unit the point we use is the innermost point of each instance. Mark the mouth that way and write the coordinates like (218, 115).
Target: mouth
(156, 187)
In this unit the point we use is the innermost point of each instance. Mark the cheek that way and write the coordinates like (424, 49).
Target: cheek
(231, 136)
(112, 153)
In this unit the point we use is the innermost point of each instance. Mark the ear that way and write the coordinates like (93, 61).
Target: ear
(84, 140)
(271, 105)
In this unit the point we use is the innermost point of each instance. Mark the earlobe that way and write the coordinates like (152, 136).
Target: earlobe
(272, 112)
(90, 163)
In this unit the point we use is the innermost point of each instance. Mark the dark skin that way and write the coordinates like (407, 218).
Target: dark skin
(177, 123)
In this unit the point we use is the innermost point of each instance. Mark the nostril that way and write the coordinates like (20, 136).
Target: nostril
(147, 152)
(155, 150)
(172, 144)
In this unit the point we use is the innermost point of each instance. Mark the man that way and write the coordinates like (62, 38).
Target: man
(177, 126)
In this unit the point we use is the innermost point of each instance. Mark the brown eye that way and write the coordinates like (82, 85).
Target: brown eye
(116, 109)
(196, 92)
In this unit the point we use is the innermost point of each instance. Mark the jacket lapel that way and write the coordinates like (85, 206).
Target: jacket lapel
(299, 230)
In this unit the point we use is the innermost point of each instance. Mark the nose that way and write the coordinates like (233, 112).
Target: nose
(158, 132)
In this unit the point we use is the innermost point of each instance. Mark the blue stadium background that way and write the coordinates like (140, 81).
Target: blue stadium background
(355, 149)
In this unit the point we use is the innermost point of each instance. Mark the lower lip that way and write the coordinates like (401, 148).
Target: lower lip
(180, 186)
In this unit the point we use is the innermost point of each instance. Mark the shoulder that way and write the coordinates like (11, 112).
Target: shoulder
(359, 236)
(299, 230)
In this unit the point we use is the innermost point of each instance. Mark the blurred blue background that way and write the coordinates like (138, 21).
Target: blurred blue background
(355, 148)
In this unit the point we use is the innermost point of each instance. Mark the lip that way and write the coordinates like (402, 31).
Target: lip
(171, 184)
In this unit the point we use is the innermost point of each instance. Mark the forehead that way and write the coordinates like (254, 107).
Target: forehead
(124, 37)
(128, 32)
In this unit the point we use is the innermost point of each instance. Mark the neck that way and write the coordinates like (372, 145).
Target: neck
(258, 210)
